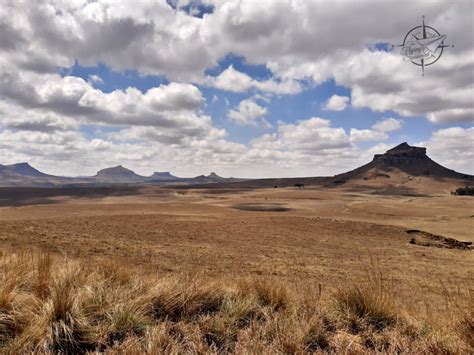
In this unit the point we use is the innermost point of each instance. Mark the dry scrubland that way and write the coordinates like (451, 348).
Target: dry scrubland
(248, 271)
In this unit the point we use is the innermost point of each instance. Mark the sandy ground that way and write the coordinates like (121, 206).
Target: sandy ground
(312, 236)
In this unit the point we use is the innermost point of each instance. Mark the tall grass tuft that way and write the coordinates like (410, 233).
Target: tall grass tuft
(370, 303)
(268, 294)
(10, 320)
(125, 321)
(185, 299)
(366, 305)
(43, 275)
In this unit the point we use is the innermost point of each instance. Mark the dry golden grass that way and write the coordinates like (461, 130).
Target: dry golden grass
(160, 272)
(52, 304)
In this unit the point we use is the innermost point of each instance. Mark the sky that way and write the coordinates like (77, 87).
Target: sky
(243, 88)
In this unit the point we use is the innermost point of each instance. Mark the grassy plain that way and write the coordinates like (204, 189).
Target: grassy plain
(334, 259)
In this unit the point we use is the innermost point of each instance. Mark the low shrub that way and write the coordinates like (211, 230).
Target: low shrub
(464, 191)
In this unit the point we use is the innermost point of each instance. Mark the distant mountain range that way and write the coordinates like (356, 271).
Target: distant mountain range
(403, 161)
(23, 174)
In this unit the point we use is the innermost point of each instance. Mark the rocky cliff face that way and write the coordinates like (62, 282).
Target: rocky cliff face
(412, 160)
(402, 154)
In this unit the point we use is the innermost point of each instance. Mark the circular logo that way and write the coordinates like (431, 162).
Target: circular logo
(423, 45)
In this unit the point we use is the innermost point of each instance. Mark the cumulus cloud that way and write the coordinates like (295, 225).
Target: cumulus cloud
(156, 38)
(453, 147)
(367, 135)
(382, 82)
(154, 134)
(387, 125)
(27, 120)
(379, 80)
(308, 136)
(378, 131)
(249, 113)
(173, 108)
(310, 147)
(235, 81)
(336, 103)
(231, 80)
(302, 44)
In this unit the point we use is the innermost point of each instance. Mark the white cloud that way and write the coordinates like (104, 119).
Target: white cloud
(16, 117)
(308, 147)
(337, 103)
(249, 112)
(302, 43)
(452, 147)
(387, 125)
(378, 131)
(378, 149)
(367, 135)
(95, 79)
(173, 108)
(154, 134)
(283, 87)
(231, 80)
(453, 115)
(306, 136)
(383, 82)
(153, 38)
(235, 81)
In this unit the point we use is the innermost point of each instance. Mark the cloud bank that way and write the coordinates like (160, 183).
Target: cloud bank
(64, 123)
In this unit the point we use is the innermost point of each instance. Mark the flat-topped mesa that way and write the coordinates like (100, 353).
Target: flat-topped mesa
(409, 160)
(401, 154)
(163, 175)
